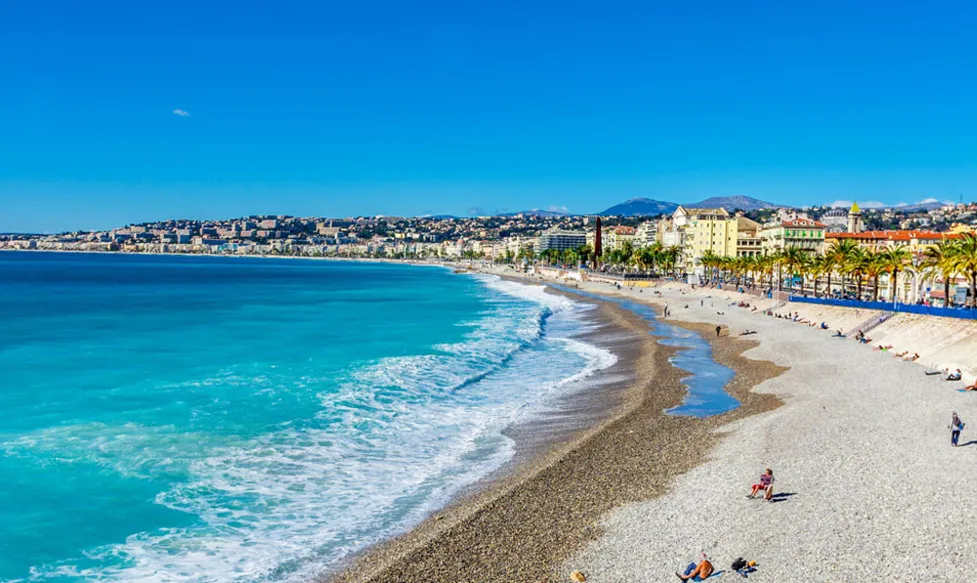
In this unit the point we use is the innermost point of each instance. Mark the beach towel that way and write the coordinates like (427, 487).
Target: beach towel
(691, 568)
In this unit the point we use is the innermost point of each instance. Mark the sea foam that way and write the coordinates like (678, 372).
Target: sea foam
(393, 440)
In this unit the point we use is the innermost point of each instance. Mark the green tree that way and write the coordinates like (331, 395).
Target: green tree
(841, 252)
(940, 259)
(965, 262)
(892, 261)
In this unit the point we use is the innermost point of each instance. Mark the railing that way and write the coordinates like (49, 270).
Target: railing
(630, 276)
(960, 313)
(870, 324)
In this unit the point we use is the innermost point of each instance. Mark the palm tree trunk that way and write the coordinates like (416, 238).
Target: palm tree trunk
(895, 285)
(973, 289)
(947, 302)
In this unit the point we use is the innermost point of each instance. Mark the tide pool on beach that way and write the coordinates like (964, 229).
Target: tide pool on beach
(169, 418)
(706, 383)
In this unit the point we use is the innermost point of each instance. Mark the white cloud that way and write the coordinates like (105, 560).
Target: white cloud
(181, 113)
(557, 209)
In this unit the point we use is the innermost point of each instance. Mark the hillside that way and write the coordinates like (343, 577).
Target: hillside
(729, 203)
(640, 207)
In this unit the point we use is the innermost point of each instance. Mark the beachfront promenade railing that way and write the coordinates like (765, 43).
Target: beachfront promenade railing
(961, 313)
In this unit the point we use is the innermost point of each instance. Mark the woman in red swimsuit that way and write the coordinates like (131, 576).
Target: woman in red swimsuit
(765, 485)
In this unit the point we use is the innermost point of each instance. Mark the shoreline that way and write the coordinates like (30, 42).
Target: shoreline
(547, 503)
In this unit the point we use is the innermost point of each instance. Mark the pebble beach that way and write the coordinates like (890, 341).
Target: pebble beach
(866, 482)
(868, 486)
(527, 524)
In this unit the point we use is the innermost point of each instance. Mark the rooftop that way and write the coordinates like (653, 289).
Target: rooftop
(802, 222)
(905, 235)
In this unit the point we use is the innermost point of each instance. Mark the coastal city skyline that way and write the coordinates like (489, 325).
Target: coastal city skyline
(647, 207)
(533, 291)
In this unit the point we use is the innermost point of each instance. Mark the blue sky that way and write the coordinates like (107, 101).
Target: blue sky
(377, 107)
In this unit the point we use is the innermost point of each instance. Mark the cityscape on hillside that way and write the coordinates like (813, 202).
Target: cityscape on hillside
(725, 232)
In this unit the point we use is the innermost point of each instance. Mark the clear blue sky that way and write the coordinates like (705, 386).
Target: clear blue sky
(377, 107)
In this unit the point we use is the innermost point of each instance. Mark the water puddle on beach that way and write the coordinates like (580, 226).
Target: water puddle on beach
(706, 393)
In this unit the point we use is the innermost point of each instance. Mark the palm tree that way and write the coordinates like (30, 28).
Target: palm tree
(840, 253)
(965, 262)
(671, 256)
(892, 261)
(645, 258)
(711, 262)
(793, 258)
(766, 265)
(940, 259)
(873, 269)
(585, 253)
(627, 251)
(857, 265)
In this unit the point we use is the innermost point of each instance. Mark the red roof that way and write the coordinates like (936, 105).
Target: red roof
(894, 236)
(804, 223)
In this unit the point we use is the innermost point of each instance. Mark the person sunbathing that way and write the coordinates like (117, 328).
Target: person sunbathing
(912, 358)
(747, 332)
(901, 354)
(764, 485)
(824, 325)
(838, 334)
(698, 572)
(972, 387)
(884, 347)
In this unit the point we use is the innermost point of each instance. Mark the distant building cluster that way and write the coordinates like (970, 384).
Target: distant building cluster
(694, 232)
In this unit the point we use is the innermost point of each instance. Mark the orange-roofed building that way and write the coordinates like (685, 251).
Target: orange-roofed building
(913, 240)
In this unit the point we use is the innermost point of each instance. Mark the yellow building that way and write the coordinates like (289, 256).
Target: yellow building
(709, 230)
(749, 243)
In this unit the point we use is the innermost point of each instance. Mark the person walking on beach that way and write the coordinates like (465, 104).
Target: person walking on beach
(956, 426)
(718, 330)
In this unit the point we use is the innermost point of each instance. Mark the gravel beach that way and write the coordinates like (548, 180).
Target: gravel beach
(869, 486)
(528, 524)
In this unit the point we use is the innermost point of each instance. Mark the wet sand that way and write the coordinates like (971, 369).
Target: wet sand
(523, 525)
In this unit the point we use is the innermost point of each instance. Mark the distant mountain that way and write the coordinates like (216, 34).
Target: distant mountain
(646, 207)
(640, 207)
(920, 206)
(729, 203)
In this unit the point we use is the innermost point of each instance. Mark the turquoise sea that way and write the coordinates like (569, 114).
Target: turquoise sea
(219, 419)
